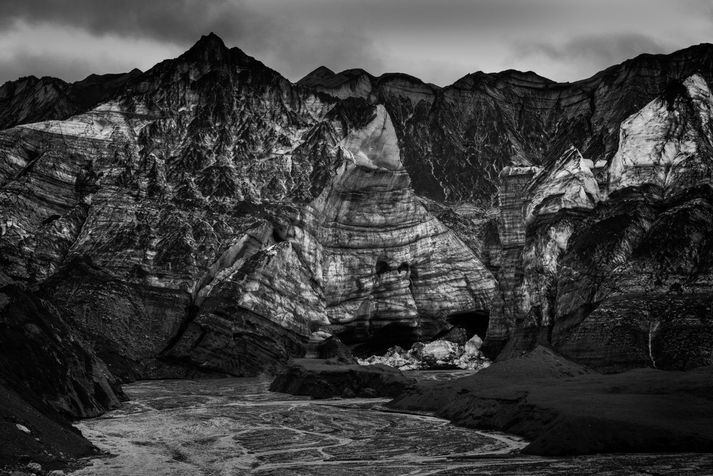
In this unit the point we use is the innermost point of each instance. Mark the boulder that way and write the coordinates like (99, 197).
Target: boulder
(331, 378)
(333, 348)
(473, 345)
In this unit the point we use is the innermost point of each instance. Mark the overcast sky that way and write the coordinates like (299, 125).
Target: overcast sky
(438, 41)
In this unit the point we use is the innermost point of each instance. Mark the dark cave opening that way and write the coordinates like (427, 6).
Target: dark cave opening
(279, 233)
(382, 267)
(474, 322)
(366, 340)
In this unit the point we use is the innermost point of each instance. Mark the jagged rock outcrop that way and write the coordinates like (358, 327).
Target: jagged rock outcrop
(215, 214)
(455, 140)
(623, 280)
(567, 184)
(125, 208)
(349, 83)
(388, 263)
(556, 198)
(364, 259)
(649, 282)
(667, 145)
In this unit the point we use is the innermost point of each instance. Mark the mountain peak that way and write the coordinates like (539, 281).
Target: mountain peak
(511, 77)
(355, 73)
(211, 40)
(317, 77)
(324, 77)
(208, 44)
(322, 71)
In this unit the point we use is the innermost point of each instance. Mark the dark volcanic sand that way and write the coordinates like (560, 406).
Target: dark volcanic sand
(564, 409)
(28, 435)
(235, 427)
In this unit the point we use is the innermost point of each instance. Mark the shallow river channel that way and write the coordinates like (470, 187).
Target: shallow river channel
(236, 426)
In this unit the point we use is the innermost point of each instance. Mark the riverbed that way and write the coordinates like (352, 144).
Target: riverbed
(236, 426)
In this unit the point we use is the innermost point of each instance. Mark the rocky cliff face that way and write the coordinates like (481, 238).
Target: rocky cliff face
(364, 260)
(455, 140)
(621, 279)
(215, 214)
(209, 215)
(387, 262)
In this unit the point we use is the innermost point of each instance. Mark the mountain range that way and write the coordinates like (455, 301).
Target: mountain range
(208, 216)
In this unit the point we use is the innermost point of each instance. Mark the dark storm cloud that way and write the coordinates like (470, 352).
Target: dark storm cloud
(179, 20)
(173, 20)
(437, 41)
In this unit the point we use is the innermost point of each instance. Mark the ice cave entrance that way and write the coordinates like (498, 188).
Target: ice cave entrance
(474, 322)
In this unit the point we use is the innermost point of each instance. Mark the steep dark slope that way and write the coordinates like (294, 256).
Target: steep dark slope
(32, 99)
(48, 376)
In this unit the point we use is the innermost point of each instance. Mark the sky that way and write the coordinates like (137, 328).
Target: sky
(438, 41)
